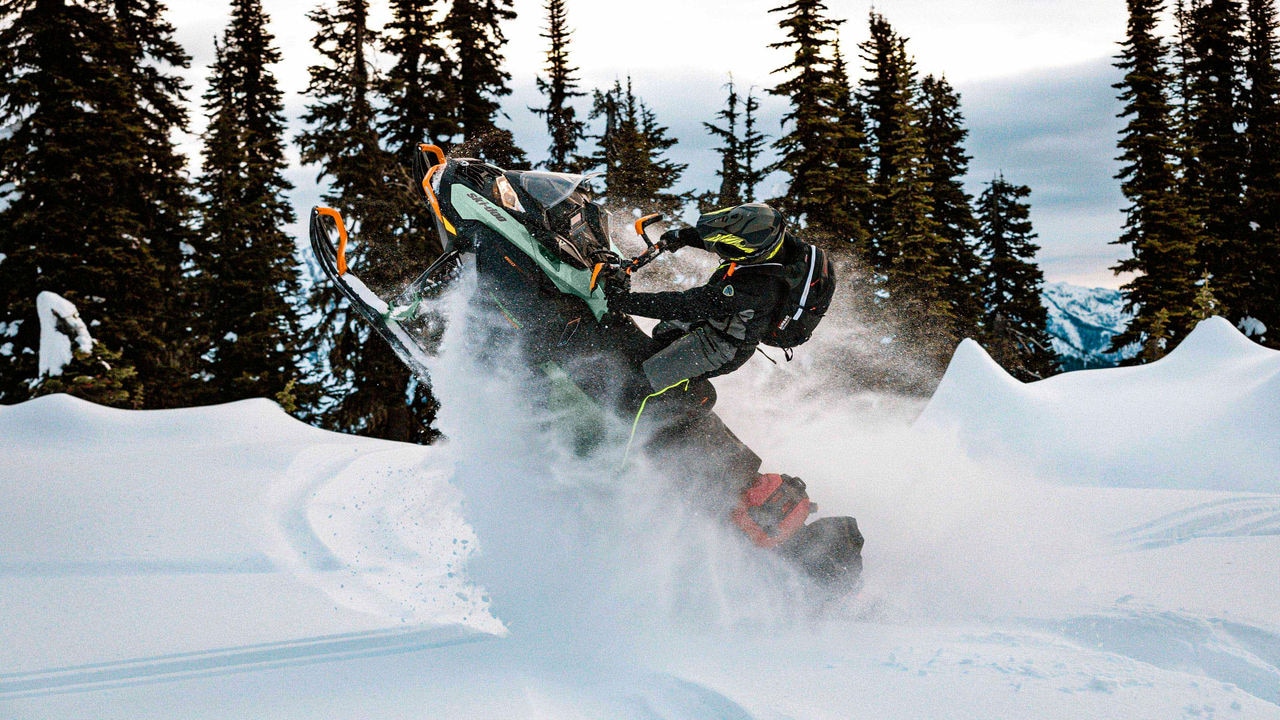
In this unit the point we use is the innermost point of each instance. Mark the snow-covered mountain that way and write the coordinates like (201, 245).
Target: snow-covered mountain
(1082, 322)
(1094, 545)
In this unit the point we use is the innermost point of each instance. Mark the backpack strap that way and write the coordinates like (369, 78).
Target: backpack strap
(773, 268)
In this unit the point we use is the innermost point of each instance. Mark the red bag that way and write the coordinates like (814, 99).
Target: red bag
(772, 509)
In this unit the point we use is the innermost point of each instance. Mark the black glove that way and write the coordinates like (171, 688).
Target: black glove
(673, 240)
(616, 282)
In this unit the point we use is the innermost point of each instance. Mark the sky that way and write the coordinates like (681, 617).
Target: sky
(1034, 78)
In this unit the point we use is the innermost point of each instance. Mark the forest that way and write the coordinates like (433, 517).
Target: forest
(196, 293)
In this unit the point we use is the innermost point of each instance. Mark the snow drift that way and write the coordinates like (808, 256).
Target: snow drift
(1206, 416)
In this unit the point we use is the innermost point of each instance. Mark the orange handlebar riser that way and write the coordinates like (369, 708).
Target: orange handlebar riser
(434, 150)
(642, 221)
(342, 236)
(431, 196)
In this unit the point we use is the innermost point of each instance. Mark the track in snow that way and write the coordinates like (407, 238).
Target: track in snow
(222, 661)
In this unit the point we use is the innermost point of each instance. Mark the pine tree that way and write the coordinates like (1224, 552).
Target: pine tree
(100, 376)
(909, 251)
(418, 96)
(95, 206)
(151, 59)
(751, 146)
(1215, 157)
(1159, 229)
(847, 184)
(368, 186)
(418, 90)
(560, 88)
(952, 206)
(731, 174)
(245, 262)
(740, 172)
(823, 151)
(1015, 320)
(631, 153)
(475, 29)
(1262, 170)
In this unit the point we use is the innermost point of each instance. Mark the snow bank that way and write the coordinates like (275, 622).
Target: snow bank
(198, 563)
(1203, 417)
(136, 533)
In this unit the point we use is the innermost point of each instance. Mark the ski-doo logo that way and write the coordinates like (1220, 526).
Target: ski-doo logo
(478, 200)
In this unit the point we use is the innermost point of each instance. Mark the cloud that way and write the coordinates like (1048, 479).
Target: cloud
(1054, 131)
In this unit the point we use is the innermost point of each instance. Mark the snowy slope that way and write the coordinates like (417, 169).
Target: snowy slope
(121, 527)
(1081, 323)
(1022, 560)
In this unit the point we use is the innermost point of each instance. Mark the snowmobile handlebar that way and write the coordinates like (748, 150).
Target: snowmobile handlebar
(652, 251)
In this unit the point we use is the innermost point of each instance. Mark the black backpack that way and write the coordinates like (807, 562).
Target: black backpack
(811, 283)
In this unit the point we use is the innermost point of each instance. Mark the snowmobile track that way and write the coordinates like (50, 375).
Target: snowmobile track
(224, 661)
(1228, 518)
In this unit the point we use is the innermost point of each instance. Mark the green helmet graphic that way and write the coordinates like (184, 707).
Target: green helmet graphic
(744, 233)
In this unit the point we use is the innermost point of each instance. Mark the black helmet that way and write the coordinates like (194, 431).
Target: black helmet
(747, 233)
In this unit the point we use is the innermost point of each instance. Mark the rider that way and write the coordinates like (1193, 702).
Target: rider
(712, 329)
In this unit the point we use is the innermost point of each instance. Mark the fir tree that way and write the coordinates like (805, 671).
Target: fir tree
(475, 28)
(151, 59)
(1215, 157)
(100, 376)
(419, 96)
(952, 206)
(369, 188)
(909, 251)
(1262, 170)
(732, 176)
(245, 262)
(418, 89)
(751, 146)
(822, 152)
(94, 203)
(1015, 320)
(560, 88)
(631, 153)
(847, 184)
(1159, 229)
(740, 170)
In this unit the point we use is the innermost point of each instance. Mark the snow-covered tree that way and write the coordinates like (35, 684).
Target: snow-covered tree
(71, 362)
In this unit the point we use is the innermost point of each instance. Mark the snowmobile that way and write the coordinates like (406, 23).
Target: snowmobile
(541, 246)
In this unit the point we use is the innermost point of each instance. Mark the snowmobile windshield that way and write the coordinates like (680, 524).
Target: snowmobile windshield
(551, 189)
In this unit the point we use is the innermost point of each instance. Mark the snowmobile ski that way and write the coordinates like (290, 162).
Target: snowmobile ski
(377, 313)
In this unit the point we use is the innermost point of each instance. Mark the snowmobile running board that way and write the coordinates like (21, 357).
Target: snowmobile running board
(363, 300)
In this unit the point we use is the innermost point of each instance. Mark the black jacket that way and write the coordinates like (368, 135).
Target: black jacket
(739, 301)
